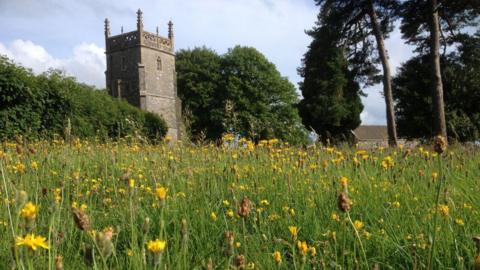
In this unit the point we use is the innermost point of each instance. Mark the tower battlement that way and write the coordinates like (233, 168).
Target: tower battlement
(134, 38)
(141, 70)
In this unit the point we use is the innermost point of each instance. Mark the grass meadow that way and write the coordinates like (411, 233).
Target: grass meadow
(128, 205)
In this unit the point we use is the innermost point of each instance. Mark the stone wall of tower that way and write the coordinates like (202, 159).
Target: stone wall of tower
(141, 70)
(159, 94)
(122, 74)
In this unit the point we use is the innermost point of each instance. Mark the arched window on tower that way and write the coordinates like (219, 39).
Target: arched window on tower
(159, 63)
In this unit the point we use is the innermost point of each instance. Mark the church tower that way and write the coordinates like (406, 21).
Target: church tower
(141, 70)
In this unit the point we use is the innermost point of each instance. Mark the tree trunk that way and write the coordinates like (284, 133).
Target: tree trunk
(439, 124)
(387, 78)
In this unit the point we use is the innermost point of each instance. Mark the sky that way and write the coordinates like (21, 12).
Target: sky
(69, 34)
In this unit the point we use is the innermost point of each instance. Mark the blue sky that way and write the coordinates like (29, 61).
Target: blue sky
(68, 34)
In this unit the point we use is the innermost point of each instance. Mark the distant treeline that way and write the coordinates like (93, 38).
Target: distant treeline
(52, 103)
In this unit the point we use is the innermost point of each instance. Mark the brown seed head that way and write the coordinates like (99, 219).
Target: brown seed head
(81, 219)
(343, 202)
(240, 261)
(59, 263)
(19, 149)
(440, 144)
(245, 207)
(229, 240)
(32, 150)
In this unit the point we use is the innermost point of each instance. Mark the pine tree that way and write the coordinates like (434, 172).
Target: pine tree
(331, 102)
(360, 21)
(428, 24)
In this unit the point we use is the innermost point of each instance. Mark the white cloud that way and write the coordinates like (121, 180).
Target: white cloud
(87, 62)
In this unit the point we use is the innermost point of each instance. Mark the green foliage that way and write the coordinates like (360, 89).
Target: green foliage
(40, 106)
(331, 104)
(353, 24)
(240, 92)
(198, 76)
(454, 16)
(461, 82)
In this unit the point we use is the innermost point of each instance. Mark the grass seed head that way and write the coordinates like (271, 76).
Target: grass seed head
(59, 263)
(240, 261)
(343, 202)
(230, 242)
(81, 219)
(245, 207)
(440, 144)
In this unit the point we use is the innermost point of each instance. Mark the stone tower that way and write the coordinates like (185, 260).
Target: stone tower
(141, 70)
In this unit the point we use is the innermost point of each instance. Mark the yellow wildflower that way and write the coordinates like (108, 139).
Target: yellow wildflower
(302, 247)
(387, 162)
(34, 165)
(358, 225)
(344, 181)
(156, 246)
(29, 211)
(293, 231)
(443, 209)
(396, 204)
(459, 222)
(213, 216)
(277, 257)
(32, 241)
(161, 193)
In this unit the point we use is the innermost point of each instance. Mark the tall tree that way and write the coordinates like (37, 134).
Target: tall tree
(361, 20)
(240, 92)
(198, 74)
(331, 102)
(461, 81)
(426, 24)
(264, 102)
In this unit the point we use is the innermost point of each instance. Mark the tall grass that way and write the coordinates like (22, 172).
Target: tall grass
(390, 224)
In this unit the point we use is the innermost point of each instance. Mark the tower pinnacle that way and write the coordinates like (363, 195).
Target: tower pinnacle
(170, 32)
(139, 20)
(107, 28)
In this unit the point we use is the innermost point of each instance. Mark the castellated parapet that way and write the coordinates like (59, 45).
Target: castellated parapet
(141, 70)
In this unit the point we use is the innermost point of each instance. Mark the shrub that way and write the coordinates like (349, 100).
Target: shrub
(41, 106)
